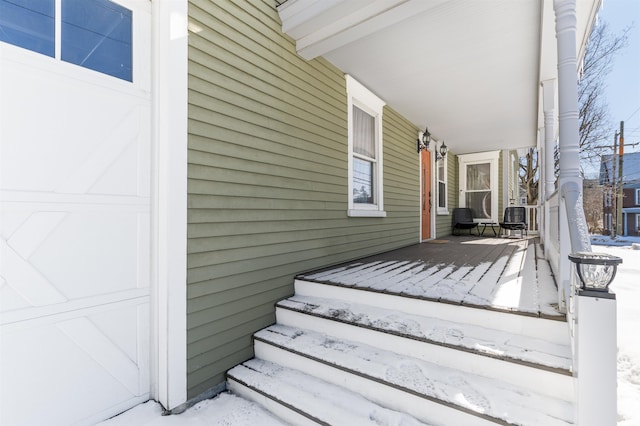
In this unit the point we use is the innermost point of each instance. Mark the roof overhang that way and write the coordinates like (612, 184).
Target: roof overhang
(469, 70)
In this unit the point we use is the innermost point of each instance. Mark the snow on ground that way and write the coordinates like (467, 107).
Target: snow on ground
(223, 410)
(229, 410)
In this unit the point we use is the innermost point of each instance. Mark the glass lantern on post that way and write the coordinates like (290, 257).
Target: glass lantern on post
(596, 271)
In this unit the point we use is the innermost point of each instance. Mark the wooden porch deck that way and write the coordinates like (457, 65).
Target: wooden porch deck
(503, 274)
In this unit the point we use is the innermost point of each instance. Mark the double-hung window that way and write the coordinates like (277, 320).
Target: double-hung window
(365, 151)
(607, 198)
(442, 185)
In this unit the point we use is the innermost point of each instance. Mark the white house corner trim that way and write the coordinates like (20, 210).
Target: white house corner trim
(169, 215)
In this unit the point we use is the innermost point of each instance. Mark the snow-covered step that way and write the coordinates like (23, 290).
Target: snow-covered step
(431, 393)
(302, 399)
(551, 330)
(531, 363)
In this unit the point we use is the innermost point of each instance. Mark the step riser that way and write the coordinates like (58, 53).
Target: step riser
(539, 328)
(537, 380)
(274, 407)
(390, 397)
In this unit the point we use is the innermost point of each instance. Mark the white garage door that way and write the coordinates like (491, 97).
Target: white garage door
(75, 233)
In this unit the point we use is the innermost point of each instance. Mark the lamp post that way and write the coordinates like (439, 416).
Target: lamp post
(595, 330)
(595, 271)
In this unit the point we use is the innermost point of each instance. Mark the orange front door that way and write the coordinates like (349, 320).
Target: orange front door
(425, 173)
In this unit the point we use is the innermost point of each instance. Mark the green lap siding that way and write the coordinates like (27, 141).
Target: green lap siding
(268, 179)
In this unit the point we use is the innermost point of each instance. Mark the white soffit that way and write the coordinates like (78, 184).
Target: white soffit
(469, 69)
(320, 26)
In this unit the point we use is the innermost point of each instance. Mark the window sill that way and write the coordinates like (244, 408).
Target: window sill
(442, 212)
(366, 213)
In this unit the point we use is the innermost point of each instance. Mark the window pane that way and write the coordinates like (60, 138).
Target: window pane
(362, 181)
(478, 176)
(96, 34)
(442, 195)
(364, 133)
(480, 203)
(29, 24)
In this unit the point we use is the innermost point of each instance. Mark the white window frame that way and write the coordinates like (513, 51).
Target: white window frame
(441, 210)
(637, 196)
(492, 157)
(363, 98)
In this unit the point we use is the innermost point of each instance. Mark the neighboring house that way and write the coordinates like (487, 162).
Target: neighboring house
(609, 178)
(169, 167)
(593, 194)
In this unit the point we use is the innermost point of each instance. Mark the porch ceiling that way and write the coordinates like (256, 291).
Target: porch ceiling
(469, 70)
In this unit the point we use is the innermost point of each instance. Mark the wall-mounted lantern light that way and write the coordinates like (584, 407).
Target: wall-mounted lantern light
(442, 152)
(424, 142)
(595, 270)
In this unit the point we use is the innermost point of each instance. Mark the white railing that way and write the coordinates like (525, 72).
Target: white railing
(591, 319)
(552, 241)
(533, 219)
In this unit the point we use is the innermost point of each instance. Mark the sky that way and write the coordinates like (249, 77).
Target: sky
(623, 84)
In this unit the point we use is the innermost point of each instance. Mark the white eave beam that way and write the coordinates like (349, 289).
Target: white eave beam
(320, 26)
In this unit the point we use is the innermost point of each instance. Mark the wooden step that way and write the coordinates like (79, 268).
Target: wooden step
(531, 363)
(301, 399)
(551, 330)
(429, 392)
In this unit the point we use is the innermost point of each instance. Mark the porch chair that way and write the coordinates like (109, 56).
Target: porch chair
(515, 219)
(463, 219)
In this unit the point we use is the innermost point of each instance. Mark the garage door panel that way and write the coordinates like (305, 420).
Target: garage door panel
(75, 235)
(83, 364)
(54, 257)
(92, 253)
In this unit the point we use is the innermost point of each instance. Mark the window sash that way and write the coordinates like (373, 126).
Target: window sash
(364, 133)
(442, 185)
(363, 181)
(365, 194)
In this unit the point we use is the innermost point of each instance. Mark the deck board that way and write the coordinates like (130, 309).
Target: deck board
(496, 273)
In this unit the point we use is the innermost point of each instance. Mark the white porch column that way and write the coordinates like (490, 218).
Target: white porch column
(566, 22)
(169, 213)
(548, 95)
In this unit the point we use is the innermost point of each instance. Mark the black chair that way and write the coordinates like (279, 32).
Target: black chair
(515, 219)
(463, 219)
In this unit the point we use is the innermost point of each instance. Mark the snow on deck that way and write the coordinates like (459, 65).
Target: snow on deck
(476, 338)
(486, 397)
(499, 273)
